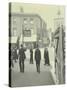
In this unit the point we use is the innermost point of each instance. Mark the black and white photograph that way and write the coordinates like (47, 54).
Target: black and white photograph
(36, 44)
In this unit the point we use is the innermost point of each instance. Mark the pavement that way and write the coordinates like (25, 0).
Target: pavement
(30, 77)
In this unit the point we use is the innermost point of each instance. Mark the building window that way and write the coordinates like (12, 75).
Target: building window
(25, 20)
(25, 27)
(32, 30)
(31, 20)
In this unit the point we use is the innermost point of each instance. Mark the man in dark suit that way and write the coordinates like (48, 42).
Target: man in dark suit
(21, 58)
(37, 58)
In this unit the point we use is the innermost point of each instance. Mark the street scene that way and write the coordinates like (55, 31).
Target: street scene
(30, 73)
(36, 45)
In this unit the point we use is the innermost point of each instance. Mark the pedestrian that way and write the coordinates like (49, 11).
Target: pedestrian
(10, 59)
(14, 51)
(46, 57)
(31, 56)
(12, 63)
(15, 54)
(37, 58)
(21, 58)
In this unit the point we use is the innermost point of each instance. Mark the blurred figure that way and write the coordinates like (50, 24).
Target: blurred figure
(37, 59)
(12, 64)
(14, 52)
(46, 57)
(21, 58)
(10, 59)
(31, 56)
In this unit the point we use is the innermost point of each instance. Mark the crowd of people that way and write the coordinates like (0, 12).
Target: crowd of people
(20, 54)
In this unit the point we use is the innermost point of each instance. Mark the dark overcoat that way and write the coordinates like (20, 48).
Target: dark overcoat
(15, 54)
(37, 56)
(31, 54)
(46, 57)
(22, 54)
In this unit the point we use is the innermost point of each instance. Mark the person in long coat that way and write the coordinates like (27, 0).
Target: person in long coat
(12, 63)
(21, 58)
(31, 56)
(46, 57)
(15, 54)
(37, 59)
(14, 51)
